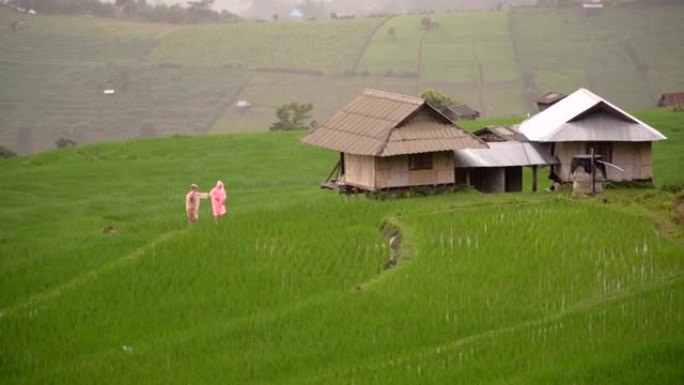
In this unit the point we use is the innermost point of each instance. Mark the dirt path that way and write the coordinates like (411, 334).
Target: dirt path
(481, 87)
(419, 66)
(367, 43)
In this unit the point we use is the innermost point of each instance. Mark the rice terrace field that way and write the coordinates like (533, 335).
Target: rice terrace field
(102, 281)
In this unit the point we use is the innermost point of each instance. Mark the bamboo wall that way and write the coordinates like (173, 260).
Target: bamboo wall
(633, 157)
(359, 171)
(393, 171)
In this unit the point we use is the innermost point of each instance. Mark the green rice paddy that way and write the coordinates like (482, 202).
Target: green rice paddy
(103, 281)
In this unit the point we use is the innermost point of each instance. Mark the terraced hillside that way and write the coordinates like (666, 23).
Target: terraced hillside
(55, 71)
(330, 47)
(103, 281)
(630, 55)
(467, 55)
(186, 79)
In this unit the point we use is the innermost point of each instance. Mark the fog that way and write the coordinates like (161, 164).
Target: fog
(266, 8)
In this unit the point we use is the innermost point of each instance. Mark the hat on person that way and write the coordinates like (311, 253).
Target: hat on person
(193, 186)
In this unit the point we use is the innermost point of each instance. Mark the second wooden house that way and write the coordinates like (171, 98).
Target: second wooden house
(389, 141)
(584, 122)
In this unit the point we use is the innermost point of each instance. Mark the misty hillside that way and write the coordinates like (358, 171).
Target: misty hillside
(171, 79)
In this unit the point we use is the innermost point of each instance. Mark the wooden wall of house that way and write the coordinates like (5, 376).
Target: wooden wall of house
(393, 171)
(633, 157)
(359, 171)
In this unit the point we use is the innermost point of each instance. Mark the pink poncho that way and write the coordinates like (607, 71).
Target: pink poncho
(218, 199)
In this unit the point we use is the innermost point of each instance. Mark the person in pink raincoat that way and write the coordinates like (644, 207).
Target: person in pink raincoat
(218, 200)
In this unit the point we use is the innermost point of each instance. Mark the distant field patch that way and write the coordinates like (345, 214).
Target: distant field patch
(41, 103)
(468, 43)
(626, 54)
(328, 94)
(394, 52)
(324, 46)
(468, 53)
(61, 39)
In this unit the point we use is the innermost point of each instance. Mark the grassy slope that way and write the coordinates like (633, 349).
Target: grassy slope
(287, 288)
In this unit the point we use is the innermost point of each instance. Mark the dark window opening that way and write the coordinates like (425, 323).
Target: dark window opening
(420, 161)
(605, 149)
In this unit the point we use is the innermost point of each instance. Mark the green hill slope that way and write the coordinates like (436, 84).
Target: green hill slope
(103, 281)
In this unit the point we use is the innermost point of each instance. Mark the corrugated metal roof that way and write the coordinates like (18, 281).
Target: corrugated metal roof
(671, 99)
(503, 133)
(380, 123)
(585, 116)
(504, 154)
(461, 110)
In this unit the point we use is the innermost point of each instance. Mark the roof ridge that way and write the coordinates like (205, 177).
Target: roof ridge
(393, 96)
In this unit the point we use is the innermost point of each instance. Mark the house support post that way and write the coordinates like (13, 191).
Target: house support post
(534, 178)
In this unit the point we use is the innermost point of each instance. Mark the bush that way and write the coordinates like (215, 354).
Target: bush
(6, 153)
(632, 184)
(674, 187)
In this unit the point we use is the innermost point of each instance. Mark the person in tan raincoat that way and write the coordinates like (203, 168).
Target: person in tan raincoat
(192, 203)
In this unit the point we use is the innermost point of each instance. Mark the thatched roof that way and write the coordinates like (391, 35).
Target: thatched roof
(379, 123)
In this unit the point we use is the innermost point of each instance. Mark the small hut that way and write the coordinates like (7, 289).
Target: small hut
(548, 99)
(460, 112)
(584, 121)
(671, 99)
(389, 141)
(500, 134)
(500, 167)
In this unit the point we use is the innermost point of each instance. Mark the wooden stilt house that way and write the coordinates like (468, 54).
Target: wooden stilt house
(389, 141)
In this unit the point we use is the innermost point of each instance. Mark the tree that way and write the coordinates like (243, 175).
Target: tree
(200, 4)
(6, 152)
(64, 143)
(436, 99)
(293, 116)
